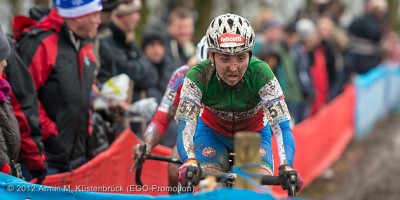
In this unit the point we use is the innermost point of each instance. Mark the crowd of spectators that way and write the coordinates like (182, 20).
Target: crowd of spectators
(59, 59)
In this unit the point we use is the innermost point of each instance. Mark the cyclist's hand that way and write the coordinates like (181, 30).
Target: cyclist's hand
(141, 149)
(139, 152)
(191, 166)
(286, 171)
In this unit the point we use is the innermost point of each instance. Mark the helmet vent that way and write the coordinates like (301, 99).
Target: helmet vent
(211, 41)
(230, 22)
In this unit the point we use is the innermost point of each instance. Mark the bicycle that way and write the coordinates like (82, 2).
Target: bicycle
(287, 181)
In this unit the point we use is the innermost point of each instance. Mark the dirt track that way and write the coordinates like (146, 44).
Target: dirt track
(369, 169)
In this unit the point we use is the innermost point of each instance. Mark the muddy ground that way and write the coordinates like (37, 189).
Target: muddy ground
(369, 169)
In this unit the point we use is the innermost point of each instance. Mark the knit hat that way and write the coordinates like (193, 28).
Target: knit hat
(270, 24)
(109, 5)
(150, 37)
(4, 46)
(77, 8)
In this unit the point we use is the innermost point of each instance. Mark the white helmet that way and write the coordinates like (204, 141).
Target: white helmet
(201, 50)
(230, 34)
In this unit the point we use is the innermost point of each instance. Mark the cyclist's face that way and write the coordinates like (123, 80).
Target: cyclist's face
(231, 68)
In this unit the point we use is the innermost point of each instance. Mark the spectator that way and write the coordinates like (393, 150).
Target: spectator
(334, 42)
(153, 45)
(272, 31)
(128, 58)
(105, 14)
(25, 107)
(325, 28)
(179, 37)
(271, 56)
(366, 34)
(295, 49)
(9, 133)
(125, 57)
(103, 30)
(286, 71)
(58, 53)
(316, 62)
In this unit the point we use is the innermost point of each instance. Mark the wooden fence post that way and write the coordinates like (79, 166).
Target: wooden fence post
(247, 149)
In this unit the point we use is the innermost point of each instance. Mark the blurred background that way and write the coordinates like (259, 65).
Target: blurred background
(318, 49)
(204, 10)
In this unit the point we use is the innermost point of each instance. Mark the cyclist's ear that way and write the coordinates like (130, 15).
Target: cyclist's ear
(211, 55)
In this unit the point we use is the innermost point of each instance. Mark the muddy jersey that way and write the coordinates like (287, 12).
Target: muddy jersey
(256, 101)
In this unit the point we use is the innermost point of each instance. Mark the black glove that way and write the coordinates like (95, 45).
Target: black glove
(40, 174)
(286, 173)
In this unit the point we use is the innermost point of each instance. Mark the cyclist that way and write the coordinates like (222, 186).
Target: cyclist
(166, 112)
(230, 92)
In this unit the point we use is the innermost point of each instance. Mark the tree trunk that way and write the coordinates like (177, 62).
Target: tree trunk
(203, 7)
(14, 7)
(394, 15)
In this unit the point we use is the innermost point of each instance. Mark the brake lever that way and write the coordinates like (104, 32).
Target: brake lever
(138, 174)
(289, 182)
(292, 184)
(190, 178)
(288, 178)
(140, 158)
(138, 164)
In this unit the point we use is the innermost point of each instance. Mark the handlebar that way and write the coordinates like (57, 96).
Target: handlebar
(164, 159)
(287, 182)
(265, 179)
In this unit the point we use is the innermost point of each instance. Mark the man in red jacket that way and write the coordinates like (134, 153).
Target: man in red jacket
(58, 53)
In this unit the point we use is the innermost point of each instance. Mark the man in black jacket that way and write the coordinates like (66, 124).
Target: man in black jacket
(119, 53)
(365, 38)
(58, 53)
(180, 30)
(154, 48)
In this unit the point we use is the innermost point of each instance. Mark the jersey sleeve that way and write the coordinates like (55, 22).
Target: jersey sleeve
(276, 112)
(187, 113)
